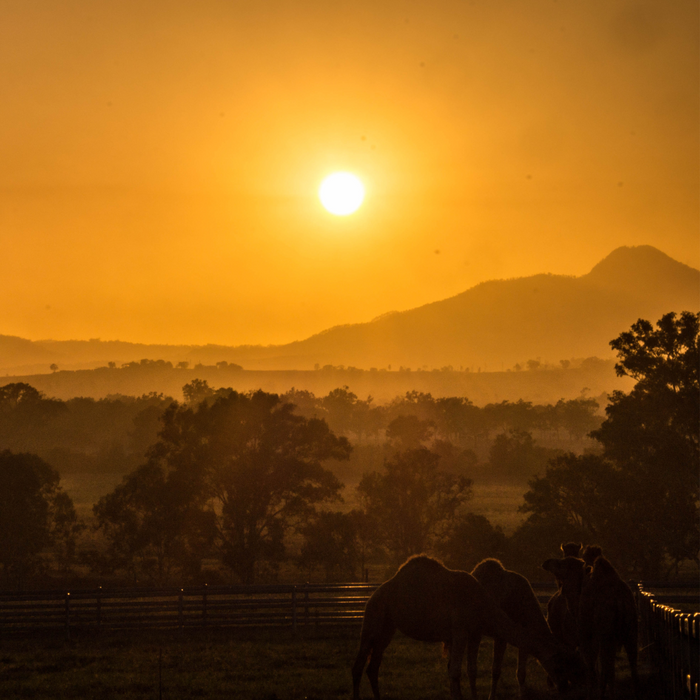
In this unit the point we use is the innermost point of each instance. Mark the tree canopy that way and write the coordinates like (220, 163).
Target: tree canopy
(412, 502)
(35, 514)
(639, 498)
(248, 461)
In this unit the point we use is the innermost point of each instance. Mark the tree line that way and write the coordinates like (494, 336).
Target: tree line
(234, 484)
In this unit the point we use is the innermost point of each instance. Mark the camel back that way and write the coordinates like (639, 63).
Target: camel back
(607, 604)
(513, 594)
(429, 602)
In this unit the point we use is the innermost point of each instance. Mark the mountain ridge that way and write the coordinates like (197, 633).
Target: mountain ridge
(492, 325)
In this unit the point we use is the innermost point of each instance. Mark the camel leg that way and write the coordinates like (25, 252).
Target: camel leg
(590, 655)
(473, 644)
(499, 649)
(380, 643)
(631, 651)
(454, 667)
(357, 668)
(607, 669)
(522, 670)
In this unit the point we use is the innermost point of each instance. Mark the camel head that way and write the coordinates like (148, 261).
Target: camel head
(571, 549)
(566, 668)
(569, 573)
(590, 553)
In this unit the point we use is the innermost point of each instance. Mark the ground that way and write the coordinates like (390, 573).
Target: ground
(251, 665)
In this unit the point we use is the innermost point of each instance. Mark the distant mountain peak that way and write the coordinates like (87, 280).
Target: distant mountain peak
(642, 269)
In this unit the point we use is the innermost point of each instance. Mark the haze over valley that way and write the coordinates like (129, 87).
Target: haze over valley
(496, 326)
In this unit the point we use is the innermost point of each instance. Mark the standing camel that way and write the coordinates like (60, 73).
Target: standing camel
(514, 595)
(561, 608)
(590, 553)
(606, 617)
(430, 603)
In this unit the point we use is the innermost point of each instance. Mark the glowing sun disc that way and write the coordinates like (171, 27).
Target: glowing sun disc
(341, 193)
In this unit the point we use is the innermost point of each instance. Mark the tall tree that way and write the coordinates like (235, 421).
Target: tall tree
(412, 502)
(257, 464)
(35, 515)
(639, 499)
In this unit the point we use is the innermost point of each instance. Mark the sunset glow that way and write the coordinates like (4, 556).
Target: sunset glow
(162, 163)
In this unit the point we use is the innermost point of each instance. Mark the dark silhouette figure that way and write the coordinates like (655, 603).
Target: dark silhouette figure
(606, 618)
(514, 595)
(571, 549)
(590, 553)
(561, 618)
(431, 603)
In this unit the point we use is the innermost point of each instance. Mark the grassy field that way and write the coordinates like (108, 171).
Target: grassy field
(246, 665)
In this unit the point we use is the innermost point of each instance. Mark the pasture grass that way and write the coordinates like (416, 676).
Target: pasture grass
(499, 501)
(250, 665)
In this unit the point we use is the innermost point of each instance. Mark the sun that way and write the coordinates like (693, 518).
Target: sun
(341, 193)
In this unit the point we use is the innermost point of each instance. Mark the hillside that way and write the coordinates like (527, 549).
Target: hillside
(591, 378)
(489, 327)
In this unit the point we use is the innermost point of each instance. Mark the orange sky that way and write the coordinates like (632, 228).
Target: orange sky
(160, 159)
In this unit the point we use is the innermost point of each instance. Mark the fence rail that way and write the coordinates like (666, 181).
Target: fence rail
(671, 639)
(237, 606)
(233, 606)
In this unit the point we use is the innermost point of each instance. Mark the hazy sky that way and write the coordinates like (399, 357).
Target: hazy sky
(160, 159)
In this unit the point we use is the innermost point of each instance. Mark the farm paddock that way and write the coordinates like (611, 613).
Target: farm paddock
(248, 664)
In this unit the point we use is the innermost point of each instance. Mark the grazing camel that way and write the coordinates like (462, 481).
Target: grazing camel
(606, 618)
(514, 595)
(430, 603)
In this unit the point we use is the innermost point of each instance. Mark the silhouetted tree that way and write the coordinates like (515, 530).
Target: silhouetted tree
(25, 416)
(331, 542)
(515, 456)
(197, 391)
(577, 416)
(639, 499)
(409, 432)
(412, 502)
(257, 464)
(472, 539)
(35, 515)
(155, 526)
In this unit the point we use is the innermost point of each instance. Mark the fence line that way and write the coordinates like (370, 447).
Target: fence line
(671, 639)
(181, 608)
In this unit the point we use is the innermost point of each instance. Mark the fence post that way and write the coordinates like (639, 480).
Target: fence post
(67, 604)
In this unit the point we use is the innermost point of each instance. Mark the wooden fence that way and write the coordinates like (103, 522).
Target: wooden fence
(207, 606)
(671, 639)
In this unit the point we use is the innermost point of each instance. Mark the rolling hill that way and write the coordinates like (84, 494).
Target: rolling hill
(489, 327)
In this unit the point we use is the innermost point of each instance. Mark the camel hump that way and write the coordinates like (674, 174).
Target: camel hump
(489, 566)
(422, 562)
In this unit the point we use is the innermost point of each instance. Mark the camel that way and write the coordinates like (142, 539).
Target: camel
(514, 595)
(590, 553)
(431, 603)
(560, 618)
(571, 549)
(606, 617)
